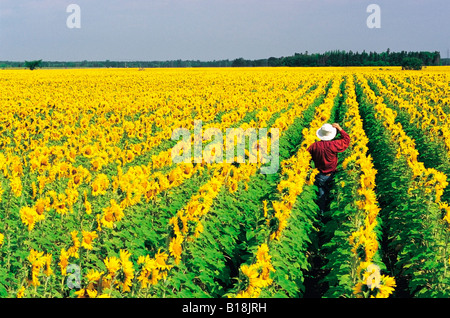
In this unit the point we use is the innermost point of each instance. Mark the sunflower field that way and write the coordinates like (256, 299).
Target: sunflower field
(92, 205)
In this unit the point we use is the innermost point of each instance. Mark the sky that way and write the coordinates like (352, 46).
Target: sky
(207, 30)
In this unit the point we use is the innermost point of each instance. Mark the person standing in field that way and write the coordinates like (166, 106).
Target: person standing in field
(324, 154)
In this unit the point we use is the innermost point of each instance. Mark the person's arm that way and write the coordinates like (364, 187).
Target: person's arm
(337, 126)
(343, 143)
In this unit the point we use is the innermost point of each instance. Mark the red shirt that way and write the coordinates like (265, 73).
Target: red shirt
(324, 152)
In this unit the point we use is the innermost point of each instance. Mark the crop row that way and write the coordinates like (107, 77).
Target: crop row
(416, 235)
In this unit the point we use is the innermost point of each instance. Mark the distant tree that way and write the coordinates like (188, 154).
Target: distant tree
(239, 62)
(273, 61)
(436, 58)
(33, 64)
(412, 63)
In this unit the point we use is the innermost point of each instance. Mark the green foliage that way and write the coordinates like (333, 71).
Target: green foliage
(290, 255)
(411, 63)
(417, 246)
(33, 64)
(329, 58)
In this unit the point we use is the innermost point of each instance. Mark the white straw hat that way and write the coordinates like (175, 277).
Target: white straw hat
(326, 132)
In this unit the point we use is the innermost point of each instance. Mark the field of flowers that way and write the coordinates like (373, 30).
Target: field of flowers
(91, 204)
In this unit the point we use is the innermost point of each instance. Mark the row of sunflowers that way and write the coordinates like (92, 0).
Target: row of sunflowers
(411, 193)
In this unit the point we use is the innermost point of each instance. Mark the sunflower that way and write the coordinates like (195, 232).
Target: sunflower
(21, 292)
(29, 217)
(127, 269)
(149, 273)
(60, 204)
(16, 186)
(387, 286)
(71, 196)
(87, 207)
(73, 250)
(371, 284)
(100, 185)
(111, 214)
(63, 261)
(88, 238)
(48, 261)
(113, 265)
(88, 151)
(128, 156)
(37, 260)
(161, 261)
(98, 163)
(175, 248)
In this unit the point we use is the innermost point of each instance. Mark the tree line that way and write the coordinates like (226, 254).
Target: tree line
(408, 60)
(343, 58)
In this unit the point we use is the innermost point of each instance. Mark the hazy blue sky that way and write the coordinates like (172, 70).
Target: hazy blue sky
(216, 29)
